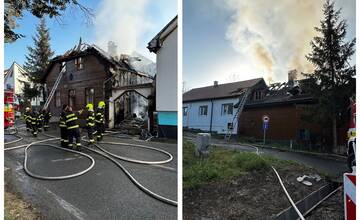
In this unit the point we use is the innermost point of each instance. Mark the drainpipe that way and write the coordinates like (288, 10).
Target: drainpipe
(211, 115)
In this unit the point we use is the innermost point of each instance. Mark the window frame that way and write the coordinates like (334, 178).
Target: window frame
(185, 111)
(79, 63)
(89, 97)
(203, 110)
(227, 109)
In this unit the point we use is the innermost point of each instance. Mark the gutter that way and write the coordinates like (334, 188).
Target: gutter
(211, 114)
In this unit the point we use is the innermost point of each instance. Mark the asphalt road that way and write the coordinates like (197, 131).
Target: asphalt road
(105, 192)
(332, 167)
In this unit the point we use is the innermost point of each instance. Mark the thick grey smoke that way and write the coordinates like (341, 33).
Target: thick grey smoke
(276, 34)
(123, 22)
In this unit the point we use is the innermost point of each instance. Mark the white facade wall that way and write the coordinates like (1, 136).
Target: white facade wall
(219, 121)
(166, 77)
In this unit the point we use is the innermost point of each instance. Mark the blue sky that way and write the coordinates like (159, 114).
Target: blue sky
(232, 40)
(64, 36)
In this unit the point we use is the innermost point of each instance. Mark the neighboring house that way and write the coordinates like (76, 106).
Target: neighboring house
(92, 75)
(14, 80)
(213, 108)
(164, 44)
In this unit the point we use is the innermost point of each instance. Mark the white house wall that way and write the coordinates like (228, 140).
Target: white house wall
(166, 77)
(219, 122)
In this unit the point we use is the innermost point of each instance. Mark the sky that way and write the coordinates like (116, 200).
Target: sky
(131, 24)
(234, 40)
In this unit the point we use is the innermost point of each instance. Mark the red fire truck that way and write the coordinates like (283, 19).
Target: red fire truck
(9, 116)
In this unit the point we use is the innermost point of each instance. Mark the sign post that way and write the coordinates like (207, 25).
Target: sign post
(265, 120)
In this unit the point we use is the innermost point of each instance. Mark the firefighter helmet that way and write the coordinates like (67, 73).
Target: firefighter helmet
(27, 109)
(101, 104)
(89, 106)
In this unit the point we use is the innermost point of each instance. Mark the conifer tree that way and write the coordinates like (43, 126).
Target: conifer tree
(332, 83)
(37, 61)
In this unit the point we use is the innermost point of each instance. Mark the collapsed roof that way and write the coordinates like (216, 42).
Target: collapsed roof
(83, 49)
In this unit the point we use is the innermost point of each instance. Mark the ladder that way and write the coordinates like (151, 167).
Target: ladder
(236, 117)
(53, 89)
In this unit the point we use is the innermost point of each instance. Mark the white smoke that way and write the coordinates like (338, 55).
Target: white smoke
(123, 22)
(275, 34)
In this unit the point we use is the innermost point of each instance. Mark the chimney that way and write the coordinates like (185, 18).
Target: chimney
(216, 83)
(292, 75)
(112, 48)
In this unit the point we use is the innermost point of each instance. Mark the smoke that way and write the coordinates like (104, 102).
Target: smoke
(123, 22)
(276, 34)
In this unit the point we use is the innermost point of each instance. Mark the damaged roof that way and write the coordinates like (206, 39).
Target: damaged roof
(281, 94)
(227, 90)
(83, 49)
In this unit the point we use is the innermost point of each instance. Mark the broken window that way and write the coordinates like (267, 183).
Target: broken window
(63, 65)
(203, 110)
(185, 111)
(89, 95)
(57, 99)
(72, 97)
(79, 63)
(227, 109)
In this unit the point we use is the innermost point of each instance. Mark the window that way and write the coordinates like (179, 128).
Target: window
(79, 64)
(185, 111)
(57, 99)
(72, 97)
(203, 110)
(63, 65)
(227, 109)
(89, 95)
(230, 126)
(258, 95)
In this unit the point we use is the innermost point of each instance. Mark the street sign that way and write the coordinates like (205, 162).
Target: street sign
(265, 118)
(350, 196)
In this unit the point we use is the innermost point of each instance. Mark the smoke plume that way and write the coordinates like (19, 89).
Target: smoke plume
(122, 22)
(276, 34)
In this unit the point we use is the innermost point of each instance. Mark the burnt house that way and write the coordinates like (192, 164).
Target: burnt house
(92, 75)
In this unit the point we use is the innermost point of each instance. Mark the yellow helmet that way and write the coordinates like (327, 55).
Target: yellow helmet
(101, 104)
(89, 106)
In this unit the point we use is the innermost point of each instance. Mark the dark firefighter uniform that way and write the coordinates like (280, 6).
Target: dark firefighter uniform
(72, 126)
(27, 119)
(90, 123)
(40, 120)
(64, 139)
(100, 121)
(34, 123)
(47, 116)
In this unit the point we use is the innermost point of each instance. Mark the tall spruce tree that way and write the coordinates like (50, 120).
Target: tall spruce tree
(332, 82)
(37, 61)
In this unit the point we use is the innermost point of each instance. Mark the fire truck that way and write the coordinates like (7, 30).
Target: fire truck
(9, 115)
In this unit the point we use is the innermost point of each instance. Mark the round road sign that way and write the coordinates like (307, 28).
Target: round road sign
(266, 118)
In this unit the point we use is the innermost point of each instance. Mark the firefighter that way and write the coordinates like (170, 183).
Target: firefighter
(47, 116)
(72, 126)
(34, 123)
(40, 120)
(27, 118)
(64, 139)
(100, 120)
(90, 122)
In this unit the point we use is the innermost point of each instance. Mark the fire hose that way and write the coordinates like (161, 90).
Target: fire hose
(105, 154)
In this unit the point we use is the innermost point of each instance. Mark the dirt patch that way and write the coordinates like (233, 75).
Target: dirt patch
(16, 208)
(254, 195)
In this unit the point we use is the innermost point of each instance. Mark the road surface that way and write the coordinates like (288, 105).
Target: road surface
(105, 192)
